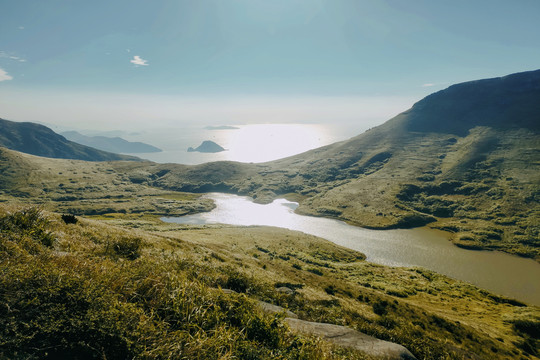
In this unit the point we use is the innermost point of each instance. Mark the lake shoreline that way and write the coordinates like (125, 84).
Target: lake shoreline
(424, 247)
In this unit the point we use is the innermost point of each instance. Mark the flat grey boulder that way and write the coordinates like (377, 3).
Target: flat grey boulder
(346, 337)
(229, 291)
(285, 290)
(271, 308)
(340, 335)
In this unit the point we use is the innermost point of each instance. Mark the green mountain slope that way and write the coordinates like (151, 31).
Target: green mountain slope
(466, 159)
(124, 284)
(507, 102)
(39, 140)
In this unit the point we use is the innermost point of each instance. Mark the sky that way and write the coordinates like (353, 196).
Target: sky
(111, 64)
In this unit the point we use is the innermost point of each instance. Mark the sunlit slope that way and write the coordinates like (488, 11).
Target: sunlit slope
(465, 159)
(467, 156)
(90, 188)
(132, 287)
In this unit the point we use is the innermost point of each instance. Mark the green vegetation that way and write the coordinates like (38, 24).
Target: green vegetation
(99, 290)
(76, 301)
(87, 188)
(87, 270)
(464, 159)
(482, 186)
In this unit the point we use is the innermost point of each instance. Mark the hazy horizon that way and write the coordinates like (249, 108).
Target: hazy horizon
(138, 64)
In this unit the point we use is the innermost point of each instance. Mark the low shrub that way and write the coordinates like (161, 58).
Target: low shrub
(527, 326)
(293, 286)
(69, 219)
(330, 290)
(315, 271)
(27, 223)
(380, 307)
(387, 322)
(125, 246)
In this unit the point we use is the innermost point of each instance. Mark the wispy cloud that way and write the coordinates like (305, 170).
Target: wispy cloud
(428, 85)
(16, 58)
(4, 75)
(5, 55)
(138, 61)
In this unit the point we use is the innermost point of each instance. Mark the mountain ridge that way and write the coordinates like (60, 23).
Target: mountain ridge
(111, 144)
(487, 102)
(479, 179)
(37, 139)
(473, 170)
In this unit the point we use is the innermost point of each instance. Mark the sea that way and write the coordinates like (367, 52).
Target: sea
(253, 143)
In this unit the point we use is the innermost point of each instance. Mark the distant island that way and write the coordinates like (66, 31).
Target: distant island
(207, 147)
(86, 271)
(222, 127)
(112, 144)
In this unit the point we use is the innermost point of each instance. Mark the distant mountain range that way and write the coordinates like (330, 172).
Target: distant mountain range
(39, 140)
(112, 144)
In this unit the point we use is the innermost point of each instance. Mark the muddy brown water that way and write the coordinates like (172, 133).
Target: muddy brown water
(498, 272)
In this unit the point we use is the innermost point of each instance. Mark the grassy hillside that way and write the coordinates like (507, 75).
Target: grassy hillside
(141, 288)
(118, 283)
(465, 159)
(133, 287)
(39, 140)
(89, 188)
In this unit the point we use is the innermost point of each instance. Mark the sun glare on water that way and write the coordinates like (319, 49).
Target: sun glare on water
(266, 142)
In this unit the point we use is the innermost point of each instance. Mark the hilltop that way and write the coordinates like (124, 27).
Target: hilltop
(39, 140)
(465, 159)
(115, 281)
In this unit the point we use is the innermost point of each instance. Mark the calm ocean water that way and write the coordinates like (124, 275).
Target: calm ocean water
(245, 143)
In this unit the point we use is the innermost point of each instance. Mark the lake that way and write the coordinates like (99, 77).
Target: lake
(501, 273)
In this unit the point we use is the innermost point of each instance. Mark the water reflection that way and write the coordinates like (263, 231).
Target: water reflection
(266, 142)
(499, 272)
(247, 143)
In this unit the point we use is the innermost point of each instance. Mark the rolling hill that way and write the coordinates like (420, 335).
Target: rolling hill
(128, 277)
(39, 140)
(113, 144)
(116, 282)
(465, 159)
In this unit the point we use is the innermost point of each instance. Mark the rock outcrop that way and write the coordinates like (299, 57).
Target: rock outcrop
(341, 335)
(207, 147)
(346, 337)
